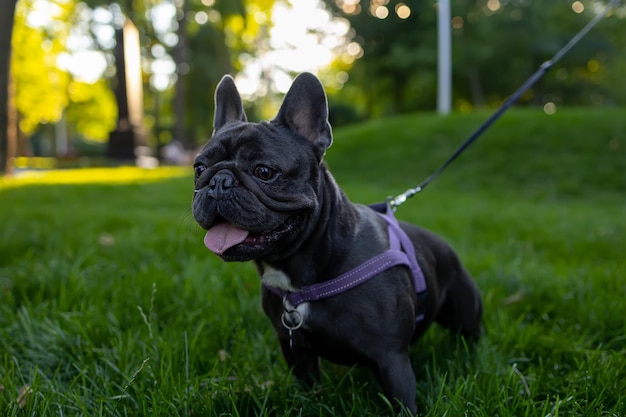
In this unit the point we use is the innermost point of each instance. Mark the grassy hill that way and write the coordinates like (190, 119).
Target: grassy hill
(111, 305)
(527, 152)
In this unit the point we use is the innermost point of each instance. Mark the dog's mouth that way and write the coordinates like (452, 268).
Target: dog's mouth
(224, 235)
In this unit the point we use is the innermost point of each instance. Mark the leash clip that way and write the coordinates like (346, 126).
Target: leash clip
(395, 202)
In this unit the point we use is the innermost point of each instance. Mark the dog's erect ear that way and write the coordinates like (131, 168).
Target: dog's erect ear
(228, 105)
(305, 112)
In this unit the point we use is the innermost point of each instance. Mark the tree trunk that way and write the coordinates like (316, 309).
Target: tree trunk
(476, 87)
(6, 30)
(180, 59)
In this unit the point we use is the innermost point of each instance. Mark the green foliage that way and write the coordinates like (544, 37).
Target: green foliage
(39, 84)
(92, 110)
(208, 51)
(397, 55)
(209, 61)
(44, 92)
(496, 46)
(496, 51)
(110, 304)
(216, 48)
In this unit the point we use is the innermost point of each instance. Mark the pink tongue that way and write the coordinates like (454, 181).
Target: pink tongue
(223, 236)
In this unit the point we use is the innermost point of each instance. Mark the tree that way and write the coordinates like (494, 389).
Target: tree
(45, 90)
(496, 45)
(499, 47)
(200, 57)
(397, 70)
(41, 85)
(6, 30)
(210, 46)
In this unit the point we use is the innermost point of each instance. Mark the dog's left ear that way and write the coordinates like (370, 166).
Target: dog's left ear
(305, 112)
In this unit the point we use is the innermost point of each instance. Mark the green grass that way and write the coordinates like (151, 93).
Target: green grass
(111, 305)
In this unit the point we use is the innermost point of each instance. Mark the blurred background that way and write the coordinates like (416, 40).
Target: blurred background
(97, 83)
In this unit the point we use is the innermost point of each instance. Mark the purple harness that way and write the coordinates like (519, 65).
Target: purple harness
(400, 252)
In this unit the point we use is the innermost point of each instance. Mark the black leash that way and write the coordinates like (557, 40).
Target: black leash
(401, 198)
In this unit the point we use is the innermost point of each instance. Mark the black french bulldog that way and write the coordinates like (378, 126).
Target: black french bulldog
(264, 194)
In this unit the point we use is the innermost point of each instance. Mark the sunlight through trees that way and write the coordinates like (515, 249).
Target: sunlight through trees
(375, 57)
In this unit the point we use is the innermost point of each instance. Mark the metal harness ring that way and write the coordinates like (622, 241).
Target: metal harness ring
(298, 321)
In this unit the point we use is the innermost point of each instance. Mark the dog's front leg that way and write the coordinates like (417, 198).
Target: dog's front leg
(304, 363)
(298, 354)
(398, 379)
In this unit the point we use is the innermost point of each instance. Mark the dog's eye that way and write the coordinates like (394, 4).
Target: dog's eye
(198, 168)
(264, 173)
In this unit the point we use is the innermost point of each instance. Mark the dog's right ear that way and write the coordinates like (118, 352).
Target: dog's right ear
(228, 105)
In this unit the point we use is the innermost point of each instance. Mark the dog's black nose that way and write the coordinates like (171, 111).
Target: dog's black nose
(221, 184)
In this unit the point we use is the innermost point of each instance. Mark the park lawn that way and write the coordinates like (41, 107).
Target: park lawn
(111, 305)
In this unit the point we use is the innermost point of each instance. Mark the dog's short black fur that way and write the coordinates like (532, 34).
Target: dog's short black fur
(263, 193)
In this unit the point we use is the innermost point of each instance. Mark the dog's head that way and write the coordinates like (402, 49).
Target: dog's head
(256, 184)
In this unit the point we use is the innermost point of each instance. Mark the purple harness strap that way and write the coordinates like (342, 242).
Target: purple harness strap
(400, 252)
